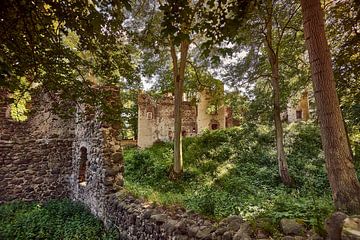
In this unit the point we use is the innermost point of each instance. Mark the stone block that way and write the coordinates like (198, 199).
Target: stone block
(292, 227)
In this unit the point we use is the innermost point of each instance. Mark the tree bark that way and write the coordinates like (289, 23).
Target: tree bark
(340, 168)
(178, 74)
(282, 162)
(274, 63)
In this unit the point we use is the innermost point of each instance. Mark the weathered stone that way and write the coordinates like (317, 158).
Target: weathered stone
(117, 157)
(351, 228)
(228, 235)
(260, 234)
(292, 227)
(313, 235)
(220, 231)
(170, 226)
(159, 218)
(204, 233)
(148, 212)
(230, 219)
(181, 237)
(182, 226)
(244, 232)
(333, 225)
(38, 180)
(288, 238)
(193, 230)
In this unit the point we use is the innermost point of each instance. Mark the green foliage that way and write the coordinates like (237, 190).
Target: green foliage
(60, 219)
(234, 171)
(64, 47)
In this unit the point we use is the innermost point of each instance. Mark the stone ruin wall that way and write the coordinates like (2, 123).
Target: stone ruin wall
(299, 112)
(156, 118)
(35, 156)
(205, 120)
(103, 173)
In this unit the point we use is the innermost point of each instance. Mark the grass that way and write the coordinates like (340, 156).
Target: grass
(234, 171)
(57, 219)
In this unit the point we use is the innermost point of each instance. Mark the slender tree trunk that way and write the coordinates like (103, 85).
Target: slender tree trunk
(340, 168)
(178, 74)
(282, 163)
(274, 63)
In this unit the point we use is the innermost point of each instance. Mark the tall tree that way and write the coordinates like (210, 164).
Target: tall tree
(273, 51)
(268, 57)
(339, 164)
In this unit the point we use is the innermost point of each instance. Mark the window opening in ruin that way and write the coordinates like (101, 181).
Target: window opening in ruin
(183, 133)
(82, 167)
(298, 114)
(149, 115)
(214, 126)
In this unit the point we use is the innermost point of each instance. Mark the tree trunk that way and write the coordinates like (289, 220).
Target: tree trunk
(274, 63)
(282, 163)
(340, 168)
(178, 74)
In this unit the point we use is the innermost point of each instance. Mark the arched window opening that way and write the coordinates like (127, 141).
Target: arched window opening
(82, 166)
(214, 126)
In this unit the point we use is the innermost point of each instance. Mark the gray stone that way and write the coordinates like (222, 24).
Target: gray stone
(159, 218)
(243, 233)
(228, 235)
(351, 228)
(333, 225)
(220, 231)
(181, 237)
(170, 226)
(117, 157)
(233, 218)
(193, 230)
(148, 213)
(292, 227)
(204, 233)
(288, 238)
(234, 226)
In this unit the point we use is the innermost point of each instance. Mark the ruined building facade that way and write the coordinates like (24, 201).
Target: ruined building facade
(298, 112)
(156, 118)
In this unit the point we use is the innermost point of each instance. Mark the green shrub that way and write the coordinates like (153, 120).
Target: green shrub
(234, 171)
(60, 219)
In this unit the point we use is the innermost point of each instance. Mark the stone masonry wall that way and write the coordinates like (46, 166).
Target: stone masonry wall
(104, 162)
(156, 119)
(35, 155)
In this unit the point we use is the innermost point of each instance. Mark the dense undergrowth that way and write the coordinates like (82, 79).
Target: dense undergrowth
(234, 171)
(60, 219)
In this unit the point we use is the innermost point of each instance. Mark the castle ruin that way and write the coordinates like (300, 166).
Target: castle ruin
(156, 118)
